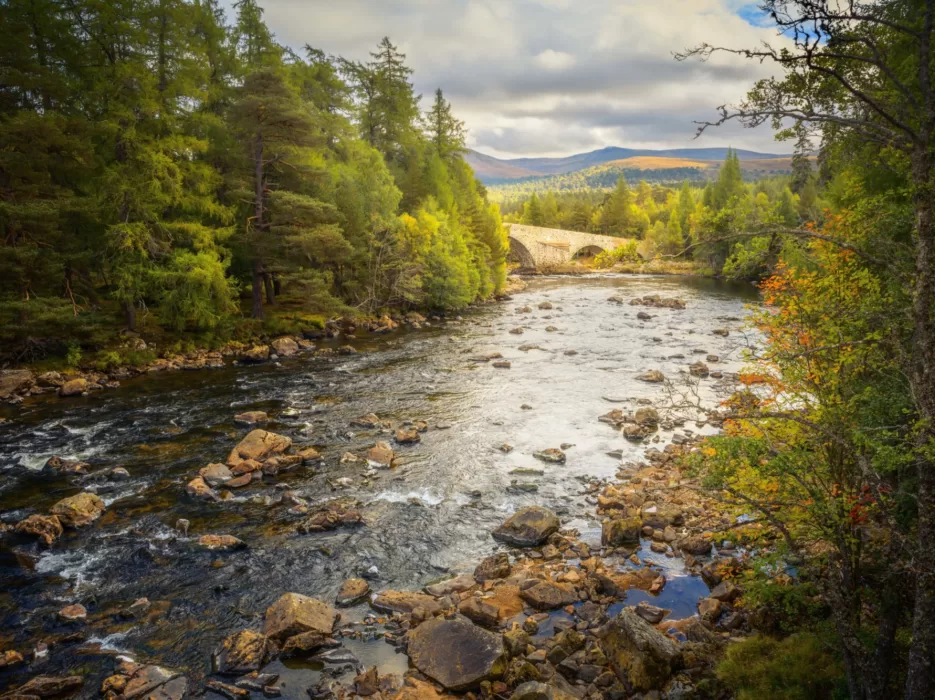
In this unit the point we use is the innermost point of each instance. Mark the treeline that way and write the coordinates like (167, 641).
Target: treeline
(164, 168)
(690, 222)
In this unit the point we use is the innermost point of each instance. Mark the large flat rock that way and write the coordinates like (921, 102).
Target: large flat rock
(456, 652)
(259, 445)
(528, 527)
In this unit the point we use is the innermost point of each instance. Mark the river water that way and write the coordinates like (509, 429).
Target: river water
(426, 518)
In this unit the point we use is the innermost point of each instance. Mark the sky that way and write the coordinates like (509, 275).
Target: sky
(555, 77)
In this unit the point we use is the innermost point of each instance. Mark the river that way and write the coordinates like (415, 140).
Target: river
(430, 516)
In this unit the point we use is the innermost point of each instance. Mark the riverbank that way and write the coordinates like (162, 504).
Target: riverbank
(396, 465)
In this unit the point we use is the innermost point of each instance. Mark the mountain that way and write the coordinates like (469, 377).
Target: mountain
(493, 170)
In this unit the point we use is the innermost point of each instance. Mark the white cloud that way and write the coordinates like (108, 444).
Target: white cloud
(552, 77)
(555, 60)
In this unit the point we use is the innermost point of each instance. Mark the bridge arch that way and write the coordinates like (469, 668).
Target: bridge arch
(519, 253)
(587, 251)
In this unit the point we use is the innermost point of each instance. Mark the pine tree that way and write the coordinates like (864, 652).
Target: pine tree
(616, 215)
(444, 131)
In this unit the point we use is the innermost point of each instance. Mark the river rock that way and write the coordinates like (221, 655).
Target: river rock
(258, 353)
(381, 455)
(723, 332)
(406, 602)
(308, 642)
(528, 527)
(639, 654)
(550, 454)
(251, 417)
(725, 592)
(698, 369)
(352, 591)
(285, 346)
(408, 436)
(534, 690)
(548, 595)
(63, 465)
(73, 613)
(259, 445)
(295, 613)
(647, 417)
(10, 658)
(198, 488)
(480, 612)
(14, 382)
(48, 528)
(370, 421)
(696, 545)
(653, 376)
(458, 584)
(78, 510)
(456, 653)
(653, 614)
(330, 516)
(220, 542)
(47, 686)
(493, 567)
(709, 609)
(242, 652)
(216, 474)
(621, 532)
(146, 679)
(74, 387)
(502, 364)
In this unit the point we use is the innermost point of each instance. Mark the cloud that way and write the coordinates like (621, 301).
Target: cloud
(553, 60)
(553, 77)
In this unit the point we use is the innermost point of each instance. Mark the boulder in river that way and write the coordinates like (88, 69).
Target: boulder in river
(528, 527)
(216, 474)
(647, 417)
(46, 687)
(63, 465)
(493, 567)
(295, 613)
(48, 528)
(550, 454)
(534, 690)
(369, 421)
(456, 653)
(242, 652)
(695, 545)
(285, 346)
(251, 417)
(74, 387)
(653, 376)
(352, 591)
(480, 611)
(259, 445)
(79, 510)
(198, 488)
(408, 436)
(381, 454)
(73, 613)
(220, 542)
(548, 595)
(258, 353)
(406, 602)
(330, 516)
(698, 369)
(458, 584)
(14, 382)
(639, 654)
(621, 532)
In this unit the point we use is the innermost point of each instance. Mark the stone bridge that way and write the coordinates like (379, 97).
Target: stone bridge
(534, 247)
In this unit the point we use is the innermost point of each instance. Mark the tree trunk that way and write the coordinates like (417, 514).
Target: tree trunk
(129, 311)
(259, 212)
(270, 291)
(257, 288)
(919, 680)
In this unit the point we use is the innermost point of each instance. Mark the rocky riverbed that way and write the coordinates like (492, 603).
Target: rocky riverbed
(455, 508)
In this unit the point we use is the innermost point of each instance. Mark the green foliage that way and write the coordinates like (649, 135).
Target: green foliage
(624, 253)
(803, 666)
(156, 159)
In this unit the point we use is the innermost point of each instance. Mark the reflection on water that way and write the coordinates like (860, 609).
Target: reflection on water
(429, 516)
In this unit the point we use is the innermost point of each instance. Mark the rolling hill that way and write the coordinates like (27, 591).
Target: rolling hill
(496, 170)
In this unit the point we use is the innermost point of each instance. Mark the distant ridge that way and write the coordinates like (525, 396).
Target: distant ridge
(491, 169)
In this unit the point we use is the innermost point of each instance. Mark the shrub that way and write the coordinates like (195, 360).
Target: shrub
(623, 253)
(802, 666)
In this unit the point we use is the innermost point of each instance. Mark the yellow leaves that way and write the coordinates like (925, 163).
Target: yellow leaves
(709, 452)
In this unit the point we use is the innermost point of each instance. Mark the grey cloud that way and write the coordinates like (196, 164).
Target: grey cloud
(623, 88)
